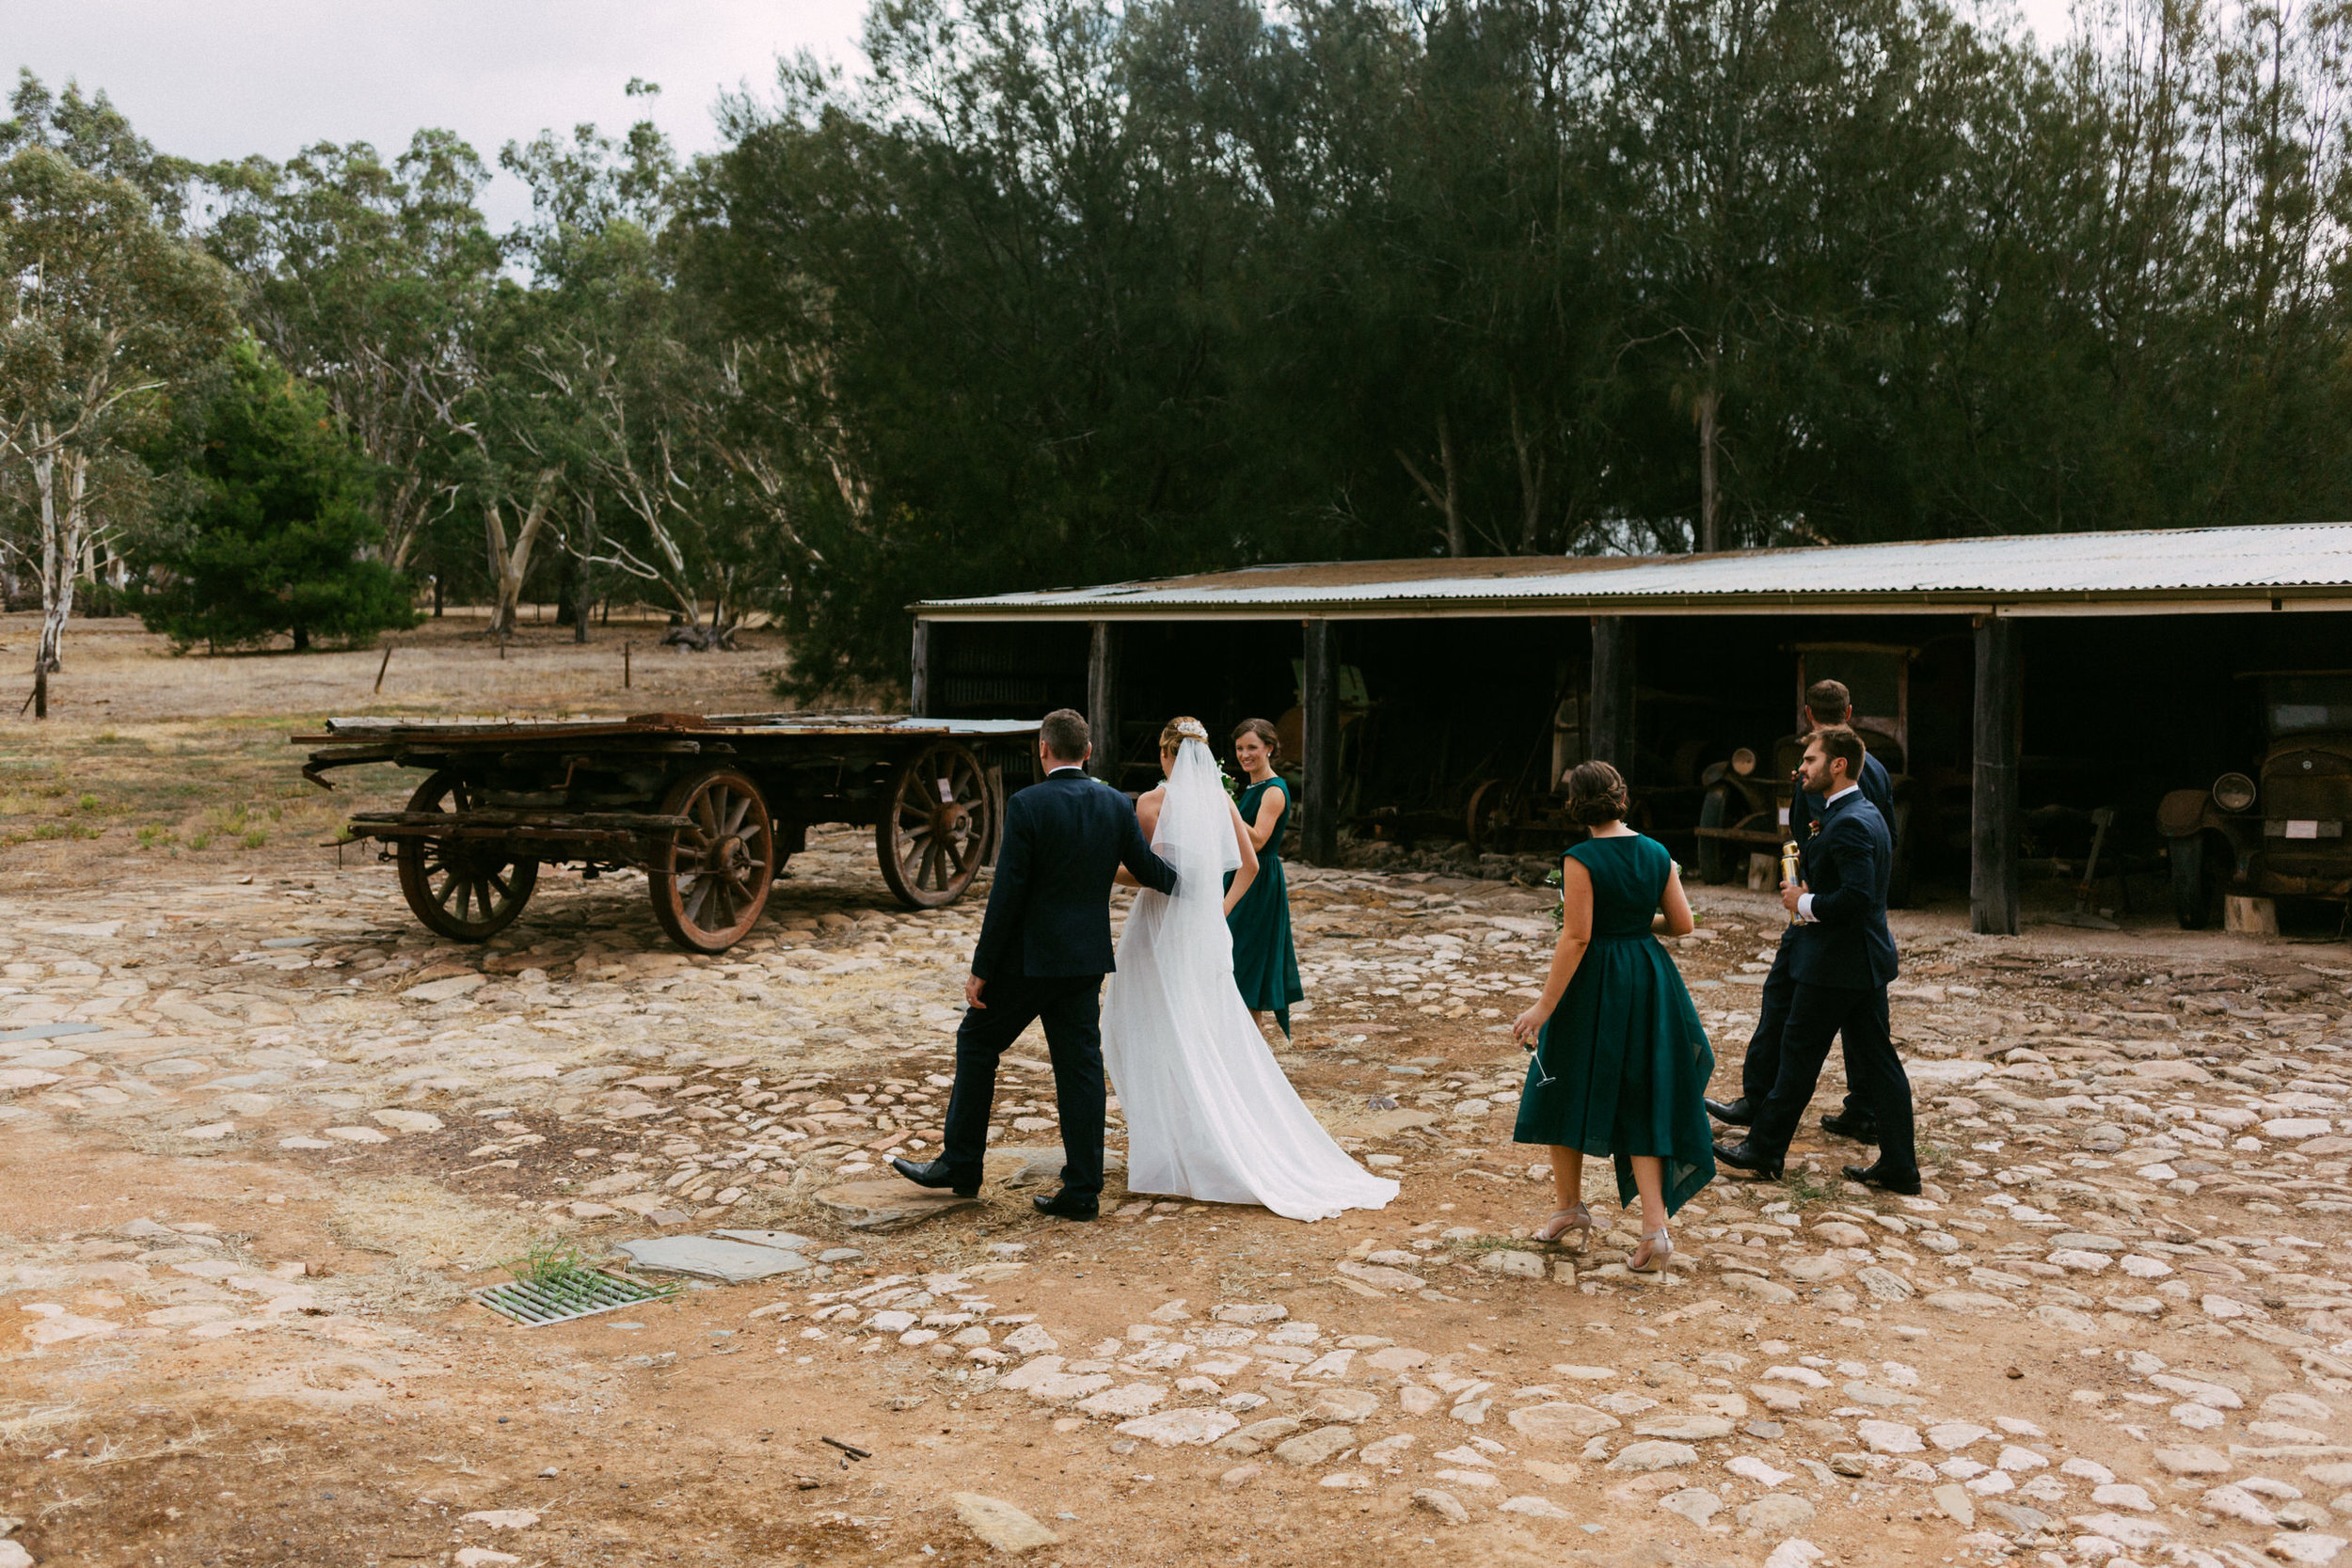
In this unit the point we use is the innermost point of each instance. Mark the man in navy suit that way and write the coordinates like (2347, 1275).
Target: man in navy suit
(1044, 947)
(1825, 703)
(1843, 958)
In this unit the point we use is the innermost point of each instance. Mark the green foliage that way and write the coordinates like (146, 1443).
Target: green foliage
(1059, 291)
(274, 541)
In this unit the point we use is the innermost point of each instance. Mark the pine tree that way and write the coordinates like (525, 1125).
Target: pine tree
(277, 538)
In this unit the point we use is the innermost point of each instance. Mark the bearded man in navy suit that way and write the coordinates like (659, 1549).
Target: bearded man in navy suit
(1843, 958)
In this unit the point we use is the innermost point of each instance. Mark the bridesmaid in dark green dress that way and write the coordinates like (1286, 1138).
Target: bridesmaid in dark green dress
(1621, 1059)
(1266, 965)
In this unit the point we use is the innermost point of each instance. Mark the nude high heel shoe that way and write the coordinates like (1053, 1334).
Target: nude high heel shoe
(1578, 1219)
(1650, 1256)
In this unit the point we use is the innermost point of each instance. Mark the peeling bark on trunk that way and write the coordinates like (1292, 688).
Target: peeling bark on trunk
(510, 565)
(1530, 485)
(1710, 494)
(1449, 500)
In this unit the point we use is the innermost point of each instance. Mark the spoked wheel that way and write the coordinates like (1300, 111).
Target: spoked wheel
(1487, 815)
(466, 889)
(935, 827)
(711, 884)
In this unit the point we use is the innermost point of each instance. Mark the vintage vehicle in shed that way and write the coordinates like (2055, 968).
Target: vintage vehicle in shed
(1745, 808)
(2279, 831)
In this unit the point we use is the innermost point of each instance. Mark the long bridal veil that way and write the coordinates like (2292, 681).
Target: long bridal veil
(1209, 1113)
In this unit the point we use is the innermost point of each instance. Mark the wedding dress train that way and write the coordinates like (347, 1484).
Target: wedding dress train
(1209, 1113)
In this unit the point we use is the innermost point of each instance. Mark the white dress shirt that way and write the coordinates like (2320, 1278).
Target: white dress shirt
(1804, 900)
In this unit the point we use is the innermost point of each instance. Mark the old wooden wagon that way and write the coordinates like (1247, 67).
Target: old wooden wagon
(708, 807)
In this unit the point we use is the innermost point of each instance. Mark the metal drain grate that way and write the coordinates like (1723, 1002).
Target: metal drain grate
(573, 1293)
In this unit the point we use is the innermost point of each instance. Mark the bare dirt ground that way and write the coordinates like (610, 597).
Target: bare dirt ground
(240, 1215)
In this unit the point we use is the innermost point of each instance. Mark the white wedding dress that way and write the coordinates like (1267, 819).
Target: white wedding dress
(1209, 1113)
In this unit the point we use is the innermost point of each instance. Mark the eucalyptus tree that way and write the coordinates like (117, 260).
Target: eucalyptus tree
(102, 310)
(370, 279)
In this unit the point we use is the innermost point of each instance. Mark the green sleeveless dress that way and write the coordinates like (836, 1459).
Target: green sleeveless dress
(1622, 1063)
(1266, 965)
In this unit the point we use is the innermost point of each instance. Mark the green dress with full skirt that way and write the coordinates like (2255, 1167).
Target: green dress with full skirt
(1266, 965)
(1621, 1065)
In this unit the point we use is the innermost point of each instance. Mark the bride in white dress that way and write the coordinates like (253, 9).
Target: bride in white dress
(1209, 1113)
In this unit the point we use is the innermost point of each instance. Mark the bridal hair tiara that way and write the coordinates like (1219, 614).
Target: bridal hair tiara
(1191, 729)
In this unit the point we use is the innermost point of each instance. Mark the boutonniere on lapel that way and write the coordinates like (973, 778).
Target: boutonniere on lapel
(1817, 826)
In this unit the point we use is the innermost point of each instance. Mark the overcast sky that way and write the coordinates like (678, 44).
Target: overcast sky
(221, 78)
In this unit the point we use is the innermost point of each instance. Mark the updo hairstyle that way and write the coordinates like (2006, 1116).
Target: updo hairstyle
(1180, 729)
(1265, 732)
(1596, 794)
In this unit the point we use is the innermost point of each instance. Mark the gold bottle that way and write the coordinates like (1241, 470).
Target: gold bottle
(1788, 868)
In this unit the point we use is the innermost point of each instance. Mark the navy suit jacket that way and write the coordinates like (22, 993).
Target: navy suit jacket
(1846, 866)
(1049, 908)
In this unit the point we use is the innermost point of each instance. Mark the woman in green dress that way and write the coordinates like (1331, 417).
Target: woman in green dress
(1621, 1059)
(1266, 965)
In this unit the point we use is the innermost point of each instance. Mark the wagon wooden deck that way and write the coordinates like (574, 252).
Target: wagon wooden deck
(709, 806)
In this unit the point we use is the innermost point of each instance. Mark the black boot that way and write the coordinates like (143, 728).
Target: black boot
(1852, 1124)
(1734, 1113)
(934, 1173)
(1745, 1156)
(1067, 1205)
(1872, 1176)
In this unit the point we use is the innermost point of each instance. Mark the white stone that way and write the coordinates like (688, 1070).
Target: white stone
(1136, 1399)
(1191, 1427)
(1534, 1507)
(406, 1121)
(502, 1518)
(1889, 1437)
(999, 1524)
(1654, 1456)
(2122, 1529)
(1748, 1467)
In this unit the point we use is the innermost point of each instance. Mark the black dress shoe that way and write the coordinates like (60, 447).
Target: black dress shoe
(934, 1173)
(1845, 1124)
(1737, 1113)
(1870, 1176)
(1066, 1205)
(1742, 1156)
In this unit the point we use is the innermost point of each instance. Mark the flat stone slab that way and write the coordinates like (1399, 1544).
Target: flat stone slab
(50, 1032)
(783, 1240)
(878, 1205)
(999, 1524)
(711, 1257)
(1192, 1427)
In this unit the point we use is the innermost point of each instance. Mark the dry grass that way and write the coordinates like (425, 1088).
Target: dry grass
(35, 1429)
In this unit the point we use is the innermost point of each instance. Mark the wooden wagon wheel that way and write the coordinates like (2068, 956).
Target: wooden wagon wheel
(936, 827)
(710, 882)
(1487, 814)
(467, 889)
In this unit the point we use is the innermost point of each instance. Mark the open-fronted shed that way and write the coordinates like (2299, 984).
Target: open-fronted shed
(2133, 641)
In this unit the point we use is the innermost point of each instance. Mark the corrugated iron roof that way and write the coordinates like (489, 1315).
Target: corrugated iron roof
(2301, 565)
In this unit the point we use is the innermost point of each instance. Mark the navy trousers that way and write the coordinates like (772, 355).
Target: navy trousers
(1070, 1009)
(1817, 1014)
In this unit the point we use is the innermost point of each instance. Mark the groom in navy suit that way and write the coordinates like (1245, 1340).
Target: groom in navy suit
(1843, 958)
(1044, 947)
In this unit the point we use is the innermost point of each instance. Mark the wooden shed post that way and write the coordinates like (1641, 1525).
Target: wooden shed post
(1610, 737)
(919, 675)
(1992, 796)
(1320, 830)
(1103, 699)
